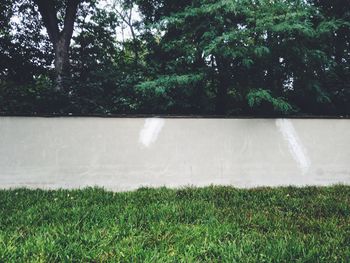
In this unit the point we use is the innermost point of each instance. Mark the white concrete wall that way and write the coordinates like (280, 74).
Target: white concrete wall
(126, 153)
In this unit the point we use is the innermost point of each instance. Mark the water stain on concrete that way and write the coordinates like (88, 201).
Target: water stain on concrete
(150, 131)
(295, 145)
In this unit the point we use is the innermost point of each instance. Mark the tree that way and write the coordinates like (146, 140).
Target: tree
(60, 39)
(24, 48)
(255, 56)
(182, 57)
(125, 10)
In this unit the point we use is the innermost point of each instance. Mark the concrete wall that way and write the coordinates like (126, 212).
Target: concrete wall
(126, 153)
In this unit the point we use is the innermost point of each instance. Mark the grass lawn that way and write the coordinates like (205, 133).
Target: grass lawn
(161, 225)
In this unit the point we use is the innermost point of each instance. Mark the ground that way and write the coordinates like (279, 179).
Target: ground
(161, 225)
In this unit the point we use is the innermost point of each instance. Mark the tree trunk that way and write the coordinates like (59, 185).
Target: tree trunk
(221, 96)
(61, 63)
(60, 40)
(340, 45)
(224, 78)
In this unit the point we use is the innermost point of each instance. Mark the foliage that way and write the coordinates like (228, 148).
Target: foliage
(257, 97)
(174, 93)
(184, 57)
(243, 45)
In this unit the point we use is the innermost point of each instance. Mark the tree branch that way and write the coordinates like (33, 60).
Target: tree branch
(71, 12)
(48, 13)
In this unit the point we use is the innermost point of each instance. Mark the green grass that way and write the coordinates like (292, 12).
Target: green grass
(212, 224)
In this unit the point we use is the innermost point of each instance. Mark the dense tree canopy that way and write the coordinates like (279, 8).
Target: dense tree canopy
(228, 57)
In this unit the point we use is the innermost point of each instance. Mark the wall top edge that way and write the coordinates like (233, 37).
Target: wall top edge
(178, 116)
